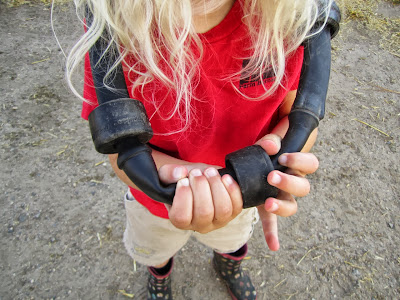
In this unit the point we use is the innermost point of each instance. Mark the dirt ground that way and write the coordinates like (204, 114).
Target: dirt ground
(61, 207)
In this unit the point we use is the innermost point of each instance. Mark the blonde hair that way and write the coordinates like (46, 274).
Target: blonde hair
(148, 29)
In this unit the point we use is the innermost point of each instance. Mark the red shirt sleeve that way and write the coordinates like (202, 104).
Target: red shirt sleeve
(89, 91)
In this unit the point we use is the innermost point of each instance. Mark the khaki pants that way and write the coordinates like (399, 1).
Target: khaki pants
(152, 240)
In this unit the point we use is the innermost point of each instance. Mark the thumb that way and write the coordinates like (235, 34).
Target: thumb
(271, 143)
(172, 173)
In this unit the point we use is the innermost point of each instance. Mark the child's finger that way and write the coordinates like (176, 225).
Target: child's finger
(284, 206)
(221, 199)
(235, 194)
(203, 207)
(271, 143)
(172, 173)
(270, 227)
(305, 163)
(181, 211)
(295, 185)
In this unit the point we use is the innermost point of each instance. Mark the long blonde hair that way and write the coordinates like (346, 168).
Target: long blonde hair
(147, 29)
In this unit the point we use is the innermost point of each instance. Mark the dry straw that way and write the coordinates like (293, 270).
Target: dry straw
(366, 12)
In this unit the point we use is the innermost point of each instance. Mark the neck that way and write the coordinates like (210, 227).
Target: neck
(204, 22)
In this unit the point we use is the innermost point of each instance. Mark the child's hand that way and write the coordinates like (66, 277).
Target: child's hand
(204, 201)
(291, 183)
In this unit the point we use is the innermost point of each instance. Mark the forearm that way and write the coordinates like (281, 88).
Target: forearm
(311, 141)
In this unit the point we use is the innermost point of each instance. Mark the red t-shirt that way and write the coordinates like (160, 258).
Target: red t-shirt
(223, 120)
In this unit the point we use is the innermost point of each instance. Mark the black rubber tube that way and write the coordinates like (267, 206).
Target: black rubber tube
(102, 55)
(309, 106)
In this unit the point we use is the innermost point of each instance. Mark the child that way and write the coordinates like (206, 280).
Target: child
(214, 76)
